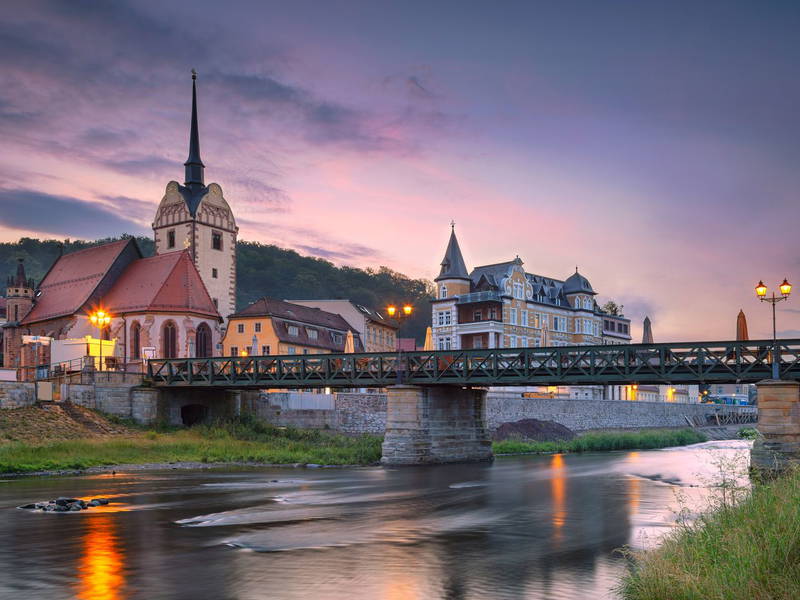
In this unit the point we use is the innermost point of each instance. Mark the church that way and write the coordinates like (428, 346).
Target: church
(172, 305)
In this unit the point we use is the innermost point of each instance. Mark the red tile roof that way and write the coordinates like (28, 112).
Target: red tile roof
(73, 279)
(162, 283)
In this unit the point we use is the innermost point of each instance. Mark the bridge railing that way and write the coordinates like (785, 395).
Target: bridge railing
(686, 362)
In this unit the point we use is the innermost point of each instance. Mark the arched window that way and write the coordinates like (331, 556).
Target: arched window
(136, 341)
(169, 340)
(202, 341)
(444, 292)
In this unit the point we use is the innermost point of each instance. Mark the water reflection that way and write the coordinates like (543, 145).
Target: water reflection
(100, 572)
(557, 490)
(544, 527)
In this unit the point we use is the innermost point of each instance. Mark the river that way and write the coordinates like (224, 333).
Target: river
(532, 527)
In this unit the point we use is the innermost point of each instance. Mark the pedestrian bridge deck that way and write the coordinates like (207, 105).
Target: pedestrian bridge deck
(676, 363)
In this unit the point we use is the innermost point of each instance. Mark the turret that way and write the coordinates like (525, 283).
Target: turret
(453, 278)
(19, 295)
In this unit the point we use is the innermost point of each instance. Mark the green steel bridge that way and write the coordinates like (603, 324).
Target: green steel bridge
(675, 363)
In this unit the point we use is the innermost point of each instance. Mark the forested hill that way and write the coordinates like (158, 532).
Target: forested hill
(264, 270)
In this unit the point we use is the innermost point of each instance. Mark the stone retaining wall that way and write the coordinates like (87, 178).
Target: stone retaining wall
(351, 414)
(16, 394)
(127, 401)
(585, 415)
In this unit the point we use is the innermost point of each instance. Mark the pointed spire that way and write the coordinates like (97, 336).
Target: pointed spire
(741, 327)
(194, 166)
(647, 331)
(20, 280)
(453, 266)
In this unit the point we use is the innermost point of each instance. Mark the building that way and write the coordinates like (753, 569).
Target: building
(17, 304)
(196, 217)
(272, 326)
(159, 306)
(378, 333)
(503, 306)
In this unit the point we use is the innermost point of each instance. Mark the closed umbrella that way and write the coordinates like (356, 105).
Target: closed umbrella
(428, 339)
(349, 343)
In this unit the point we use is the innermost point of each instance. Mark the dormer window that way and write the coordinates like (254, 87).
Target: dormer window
(313, 334)
(294, 330)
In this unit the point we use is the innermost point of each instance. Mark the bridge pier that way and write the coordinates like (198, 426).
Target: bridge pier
(435, 424)
(779, 423)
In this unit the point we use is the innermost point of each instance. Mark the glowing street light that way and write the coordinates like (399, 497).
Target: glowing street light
(761, 292)
(406, 311)
(100, 319)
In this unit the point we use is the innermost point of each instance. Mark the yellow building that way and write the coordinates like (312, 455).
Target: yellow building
(272, 326)
(378, 333)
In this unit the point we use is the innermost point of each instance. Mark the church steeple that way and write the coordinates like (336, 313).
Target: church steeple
(194, 165)
(453, 266)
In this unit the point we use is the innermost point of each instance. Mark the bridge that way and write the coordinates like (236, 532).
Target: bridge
(436, 399)
(675, 363)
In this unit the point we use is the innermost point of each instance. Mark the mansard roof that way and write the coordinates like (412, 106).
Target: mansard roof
(453, 266)
(577, 283)
(161, 283)
(75, 278)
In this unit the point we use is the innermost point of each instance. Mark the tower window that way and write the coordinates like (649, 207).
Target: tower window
(171, 238)
(214, 273)
(216, 240)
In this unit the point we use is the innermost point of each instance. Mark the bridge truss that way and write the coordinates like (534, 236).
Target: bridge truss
(676, 363)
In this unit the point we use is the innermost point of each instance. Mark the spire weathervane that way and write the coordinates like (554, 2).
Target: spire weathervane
(452, 225)
(194, 165)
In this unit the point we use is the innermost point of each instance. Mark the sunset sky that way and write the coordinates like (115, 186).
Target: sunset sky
(656, 145)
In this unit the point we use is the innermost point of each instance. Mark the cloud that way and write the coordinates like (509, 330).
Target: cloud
(143, 165)
(344, 252)
(134, 209)
(61, 215)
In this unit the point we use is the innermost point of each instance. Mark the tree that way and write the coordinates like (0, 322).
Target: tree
(612, 308)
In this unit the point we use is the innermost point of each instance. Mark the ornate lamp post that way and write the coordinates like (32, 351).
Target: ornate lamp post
(761, 292)
(399, 315)
(100, 319)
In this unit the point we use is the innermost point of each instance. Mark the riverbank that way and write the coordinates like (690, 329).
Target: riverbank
(235, 442)
(604, 441)
(248, 442)
(746, 551)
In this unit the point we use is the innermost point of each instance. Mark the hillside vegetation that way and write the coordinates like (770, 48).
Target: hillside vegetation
(264, 270)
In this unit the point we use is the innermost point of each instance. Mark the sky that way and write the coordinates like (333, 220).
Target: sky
(655, 145)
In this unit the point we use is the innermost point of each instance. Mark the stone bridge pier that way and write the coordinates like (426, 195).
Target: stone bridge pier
(779, 423)
(435, 424)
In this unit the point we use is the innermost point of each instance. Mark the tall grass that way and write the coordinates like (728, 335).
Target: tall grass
(597, 442)
(237, 440)
(747, 551)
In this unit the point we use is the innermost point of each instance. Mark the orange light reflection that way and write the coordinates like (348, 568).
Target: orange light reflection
(100, 571)
(558, 493)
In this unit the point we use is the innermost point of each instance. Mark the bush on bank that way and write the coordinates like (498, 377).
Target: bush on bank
(750, 551)
(597, 442)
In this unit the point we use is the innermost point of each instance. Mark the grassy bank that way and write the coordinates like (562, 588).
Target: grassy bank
(231, 441)
(749, 551)
(597, 442)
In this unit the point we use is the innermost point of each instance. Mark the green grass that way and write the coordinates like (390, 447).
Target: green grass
(240, 440)
(748, 551)
(598, 442)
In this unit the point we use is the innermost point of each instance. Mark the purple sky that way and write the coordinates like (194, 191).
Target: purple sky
(655, 145)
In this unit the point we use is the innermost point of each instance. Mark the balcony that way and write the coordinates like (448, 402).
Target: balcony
(478, 297)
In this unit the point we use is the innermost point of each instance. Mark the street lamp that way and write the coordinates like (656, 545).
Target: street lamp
(399, 315)
(100, 319)
(761, 292)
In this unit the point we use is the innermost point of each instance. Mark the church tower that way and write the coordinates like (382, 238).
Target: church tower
(195, 217)
(19, 299)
